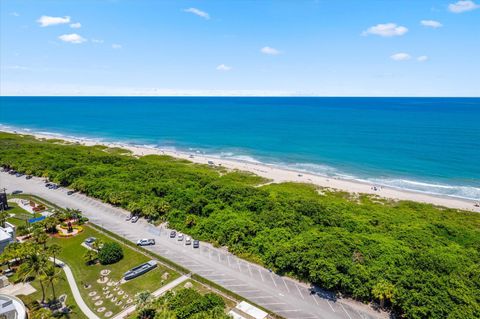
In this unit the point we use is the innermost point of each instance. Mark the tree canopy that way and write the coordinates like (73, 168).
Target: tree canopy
(418, 259)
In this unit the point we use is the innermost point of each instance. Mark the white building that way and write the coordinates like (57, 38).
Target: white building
(7, 235)
(12, 308)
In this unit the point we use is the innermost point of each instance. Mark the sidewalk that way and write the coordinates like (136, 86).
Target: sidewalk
(76, 293)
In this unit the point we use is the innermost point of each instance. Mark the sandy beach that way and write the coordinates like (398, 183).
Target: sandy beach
(277, 174)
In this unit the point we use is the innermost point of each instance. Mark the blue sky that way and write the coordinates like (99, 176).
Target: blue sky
(240, 47)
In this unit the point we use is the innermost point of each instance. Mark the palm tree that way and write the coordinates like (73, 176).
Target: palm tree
(53, 276)
(383, 290)
(54, 250)
(90, 256)
(35, 265)
(3, 217)
(42, 313)
(142, 298)
(40, 237)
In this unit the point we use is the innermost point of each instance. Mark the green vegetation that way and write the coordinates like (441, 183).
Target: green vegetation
(87, 275)
(183, 303)
(419, 260)
(110, 253)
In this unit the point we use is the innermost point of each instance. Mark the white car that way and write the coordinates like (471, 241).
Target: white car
(188, 240)
(180, 237)
(145, 242)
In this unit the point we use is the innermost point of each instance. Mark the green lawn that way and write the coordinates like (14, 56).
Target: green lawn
(73, 253)
(20, 215)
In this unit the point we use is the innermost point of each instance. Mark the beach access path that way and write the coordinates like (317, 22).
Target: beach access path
(281, 295)
(76, 293)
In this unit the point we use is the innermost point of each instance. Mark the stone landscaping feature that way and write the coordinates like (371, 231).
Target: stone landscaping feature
(101, 309)
(108, 314)
(188, 284)
(93, 293)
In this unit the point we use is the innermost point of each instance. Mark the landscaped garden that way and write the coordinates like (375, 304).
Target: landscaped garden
(101, 286)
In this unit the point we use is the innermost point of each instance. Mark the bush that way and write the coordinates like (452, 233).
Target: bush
(110, 253)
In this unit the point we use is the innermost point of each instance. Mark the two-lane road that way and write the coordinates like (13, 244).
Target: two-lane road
(281, 295)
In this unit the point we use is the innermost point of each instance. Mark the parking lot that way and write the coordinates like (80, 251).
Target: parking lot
(281, 295)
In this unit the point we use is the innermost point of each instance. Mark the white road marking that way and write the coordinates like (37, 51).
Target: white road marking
(313, 296)
(285, 285)
(260, 274)
(249, 270)
(299, 292)
(330, 305)
(273, 280)
(345, 311)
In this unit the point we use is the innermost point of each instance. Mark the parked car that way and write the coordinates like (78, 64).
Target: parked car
(180, 237)
(89, 240)
(55, 186)
(19, 174)
(17, 191)
(145, 242)
(70, 192)
(173, 234)
(196, 243)
(48, 184)
(188, 240)
(28, 177)
(8, 272)
(129, 217)
(12, 172)
(135, 219)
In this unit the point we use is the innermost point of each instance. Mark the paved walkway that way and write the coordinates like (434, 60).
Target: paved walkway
(156, 293)
(76, 293)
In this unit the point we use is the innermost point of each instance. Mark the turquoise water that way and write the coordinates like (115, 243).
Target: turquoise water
(423, 144)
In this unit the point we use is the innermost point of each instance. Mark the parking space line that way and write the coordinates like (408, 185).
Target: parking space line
(285, 285)
(273, 280)
(299, 291)
(245, 291)
(330, 305)
(249, 270)
(313, 296)
(236, 285)
(345, 311)
(273, 303)
(260, 274)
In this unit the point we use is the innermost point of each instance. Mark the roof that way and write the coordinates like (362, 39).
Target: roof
(244, 310)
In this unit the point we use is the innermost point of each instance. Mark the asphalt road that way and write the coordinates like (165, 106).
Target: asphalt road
(281, 295)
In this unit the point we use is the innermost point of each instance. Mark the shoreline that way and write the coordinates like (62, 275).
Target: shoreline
(278, 174)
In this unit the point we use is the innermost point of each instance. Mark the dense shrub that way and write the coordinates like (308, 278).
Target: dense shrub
(421, 260)
(110, 253)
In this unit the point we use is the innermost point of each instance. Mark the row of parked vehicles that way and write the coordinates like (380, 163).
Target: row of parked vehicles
(188, 239)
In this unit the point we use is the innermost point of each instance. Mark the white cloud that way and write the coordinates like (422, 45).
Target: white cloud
(97, 41)
(14, 14)
(116, 46)
(72, 38)
(46, 21)
(422, 58)
(269, 50)
(76, 25)
(223, 67)
(431, 23)
(462, 6)
(386, 30)
(198, 12)
(400, 56)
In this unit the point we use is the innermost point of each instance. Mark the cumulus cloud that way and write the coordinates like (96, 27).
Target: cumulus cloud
(431, 24)
(386, 30)
(269, 50)
(401, 56)
(223, 67)
(97, 41)
(116, 46)
(198, 12)
(46, 21)
(72, 38)
(422, 58)
(462, 6)
(76, 25)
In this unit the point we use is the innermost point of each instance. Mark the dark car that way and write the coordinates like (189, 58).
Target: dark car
(129, 217)
(196, 243)
(12, 172)
(15, 192)
(48, 184)
(173, 234)
(28, 177)
(70, 192)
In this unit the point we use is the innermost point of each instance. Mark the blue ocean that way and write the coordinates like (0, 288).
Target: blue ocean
(429, 145)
